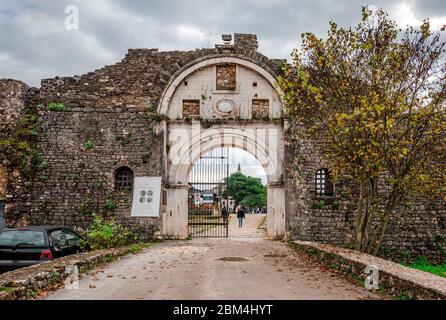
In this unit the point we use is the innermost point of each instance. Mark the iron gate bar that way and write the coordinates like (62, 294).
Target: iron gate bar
(208, 178)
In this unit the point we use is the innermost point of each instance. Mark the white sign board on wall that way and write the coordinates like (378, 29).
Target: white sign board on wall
(146, 197)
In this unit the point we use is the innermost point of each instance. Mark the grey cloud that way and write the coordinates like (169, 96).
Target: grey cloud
(34, 43)
(430, 8)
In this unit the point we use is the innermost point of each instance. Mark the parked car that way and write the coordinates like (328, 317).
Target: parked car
(22, 247)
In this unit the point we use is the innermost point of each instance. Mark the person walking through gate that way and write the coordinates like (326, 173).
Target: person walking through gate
(240, 216)
(224, 214)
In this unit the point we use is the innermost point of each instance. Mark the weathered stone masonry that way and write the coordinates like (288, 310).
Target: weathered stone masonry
(15, 190)
(108, 109)
(419, 230)
(78, 180)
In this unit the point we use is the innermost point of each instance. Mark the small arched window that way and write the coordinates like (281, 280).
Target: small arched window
(124, 180)
(323, 185)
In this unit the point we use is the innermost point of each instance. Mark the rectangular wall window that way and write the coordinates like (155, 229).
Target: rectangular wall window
(260, 108)
(226, 77)
(164, 197)
(191, 109)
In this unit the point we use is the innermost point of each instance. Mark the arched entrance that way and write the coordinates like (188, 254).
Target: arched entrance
(192, 141)
(208, 200)
(219, 182)
(204, 116)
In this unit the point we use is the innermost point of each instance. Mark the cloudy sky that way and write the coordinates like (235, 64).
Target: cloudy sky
(215, 170)
(35, 44)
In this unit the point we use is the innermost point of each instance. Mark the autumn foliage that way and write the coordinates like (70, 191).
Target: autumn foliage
(374, 96)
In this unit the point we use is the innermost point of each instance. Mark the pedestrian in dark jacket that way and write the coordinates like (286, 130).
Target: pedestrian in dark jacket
(224, 214)
(240, 216)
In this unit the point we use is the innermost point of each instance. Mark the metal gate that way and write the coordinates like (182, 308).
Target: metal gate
(206, 197)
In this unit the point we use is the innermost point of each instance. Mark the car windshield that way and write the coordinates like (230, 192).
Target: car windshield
(15, 237)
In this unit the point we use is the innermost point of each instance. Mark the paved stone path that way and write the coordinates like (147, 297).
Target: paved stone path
(235, 268)
(252, 226)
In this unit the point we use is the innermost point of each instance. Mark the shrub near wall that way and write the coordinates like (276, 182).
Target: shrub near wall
(106, 233)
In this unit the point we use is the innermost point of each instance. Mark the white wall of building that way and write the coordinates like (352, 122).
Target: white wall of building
(201, 86)
(186, 142)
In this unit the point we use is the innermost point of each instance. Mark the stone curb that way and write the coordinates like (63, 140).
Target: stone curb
(26, 283)
(394, 279)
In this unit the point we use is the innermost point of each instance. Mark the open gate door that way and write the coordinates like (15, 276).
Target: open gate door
(207, 195)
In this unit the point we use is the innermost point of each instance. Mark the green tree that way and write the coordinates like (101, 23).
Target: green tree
(246, 190)
(374, 97)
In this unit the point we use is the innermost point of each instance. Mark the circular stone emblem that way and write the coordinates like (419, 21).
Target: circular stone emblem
(225, 106)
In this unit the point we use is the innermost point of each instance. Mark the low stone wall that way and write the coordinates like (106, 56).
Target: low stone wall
(394, 279)
(28, 283)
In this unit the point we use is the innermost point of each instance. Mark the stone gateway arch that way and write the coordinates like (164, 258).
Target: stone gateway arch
(153, 114)
(250, 122)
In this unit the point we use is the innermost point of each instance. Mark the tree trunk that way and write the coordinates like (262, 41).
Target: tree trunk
(373, 213)
(393, 201)
(361, 216)
(367, 208)
(368, 220)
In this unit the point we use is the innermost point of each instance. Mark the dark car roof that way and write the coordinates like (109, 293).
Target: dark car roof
(44, 228)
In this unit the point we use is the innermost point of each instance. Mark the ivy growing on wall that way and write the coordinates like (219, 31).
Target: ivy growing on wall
(97, 200)
(52, 106)
(88, 144)
(152, 113)
(19, 147)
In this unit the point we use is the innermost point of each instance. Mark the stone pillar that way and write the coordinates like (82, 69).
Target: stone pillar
(246, 40)
(276, 228)
(174, 218)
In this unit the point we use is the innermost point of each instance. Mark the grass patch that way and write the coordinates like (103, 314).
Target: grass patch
(318, 205)
(139, 247)
(88, 144)
(31, 294)
(53, 106)
(423, 264)
(6, 289)
(54, 278)
(402, 296)
(110, 258)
